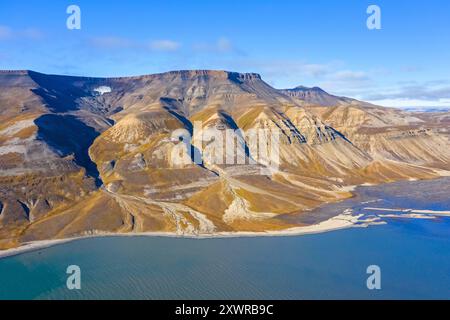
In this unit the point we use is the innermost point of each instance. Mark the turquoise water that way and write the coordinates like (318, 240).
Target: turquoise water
(413, 254)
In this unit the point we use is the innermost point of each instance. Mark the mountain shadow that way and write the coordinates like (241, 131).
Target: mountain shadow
(233, 125)
(196, 155)
(58, 92)
(68, 135)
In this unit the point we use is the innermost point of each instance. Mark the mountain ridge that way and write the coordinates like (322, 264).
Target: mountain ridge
(300, 91)
(186, 72)
(317, 96)
(86, 155)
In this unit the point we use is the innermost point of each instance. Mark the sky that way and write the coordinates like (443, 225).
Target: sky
(323, 43)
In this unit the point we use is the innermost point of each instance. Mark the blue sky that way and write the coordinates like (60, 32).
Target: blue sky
(315, 43)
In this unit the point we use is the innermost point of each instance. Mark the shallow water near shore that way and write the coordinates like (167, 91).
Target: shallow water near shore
(413, 254)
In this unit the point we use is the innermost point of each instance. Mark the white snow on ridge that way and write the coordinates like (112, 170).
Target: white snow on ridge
(102, 90)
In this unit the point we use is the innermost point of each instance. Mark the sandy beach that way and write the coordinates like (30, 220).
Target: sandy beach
(413, 211)
(342, 221)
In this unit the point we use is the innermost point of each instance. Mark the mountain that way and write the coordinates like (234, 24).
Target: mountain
(82, 156)
(383, 133)
(315, 96)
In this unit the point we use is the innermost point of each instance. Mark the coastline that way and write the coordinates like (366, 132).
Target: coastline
(339, 222)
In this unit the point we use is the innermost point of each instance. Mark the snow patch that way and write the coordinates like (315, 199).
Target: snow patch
(102, 90)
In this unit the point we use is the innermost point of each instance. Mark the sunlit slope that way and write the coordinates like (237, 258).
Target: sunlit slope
(82, 156)
(390, 134)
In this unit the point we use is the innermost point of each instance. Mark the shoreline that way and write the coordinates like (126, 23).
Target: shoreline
(339, 222)
(344, 220)
(412, 211)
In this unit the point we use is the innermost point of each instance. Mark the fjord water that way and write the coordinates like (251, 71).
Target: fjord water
(413, 254)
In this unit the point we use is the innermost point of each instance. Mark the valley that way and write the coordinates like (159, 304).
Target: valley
(84, 156)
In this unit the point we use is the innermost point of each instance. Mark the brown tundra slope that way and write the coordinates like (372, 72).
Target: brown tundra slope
(81, 156)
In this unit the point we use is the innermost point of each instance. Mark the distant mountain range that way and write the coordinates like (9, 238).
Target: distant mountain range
(82, 156)
(427, 109)
(317, 96)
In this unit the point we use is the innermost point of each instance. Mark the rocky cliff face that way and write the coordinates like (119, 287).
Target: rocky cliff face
(190, 152)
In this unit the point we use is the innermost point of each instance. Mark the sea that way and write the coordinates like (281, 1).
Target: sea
(411, 257)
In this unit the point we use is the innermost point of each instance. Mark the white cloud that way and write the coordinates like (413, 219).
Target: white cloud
(349, 76)
(290, 71)
(5, 32)
(222, 45)
(32, 33)
(314, 70)
(331, 76)
(409, 69)
(428, 94)
(411, 103)
(365, 85)
(423, 92)
(111, 42)
(164, 45)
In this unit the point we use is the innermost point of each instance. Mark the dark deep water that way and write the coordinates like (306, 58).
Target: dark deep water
(413, 254)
